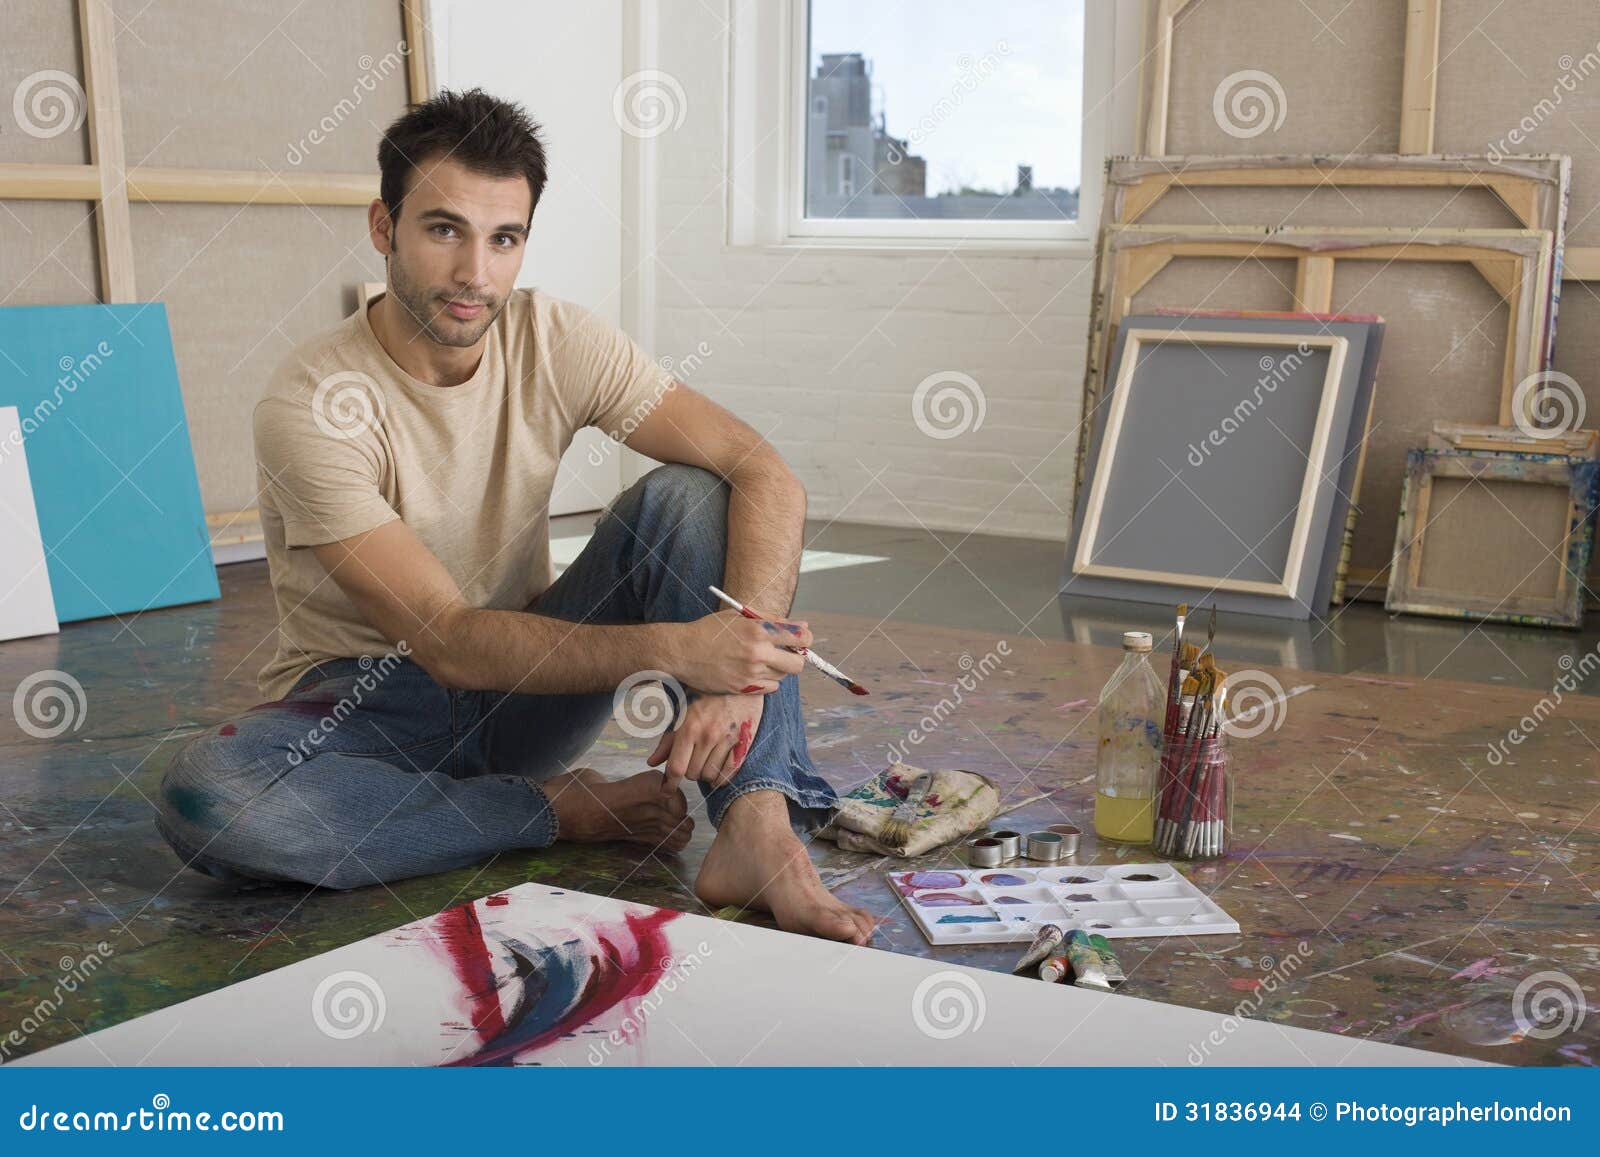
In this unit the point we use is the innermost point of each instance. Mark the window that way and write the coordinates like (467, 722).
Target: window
(937, 122)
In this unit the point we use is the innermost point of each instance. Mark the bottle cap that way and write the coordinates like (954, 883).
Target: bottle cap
(1136, 641)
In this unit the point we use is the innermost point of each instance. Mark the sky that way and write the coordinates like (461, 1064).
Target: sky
(1028, 109)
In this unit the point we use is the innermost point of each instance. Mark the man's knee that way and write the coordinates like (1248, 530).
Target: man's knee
(216, 811)
(686, 489)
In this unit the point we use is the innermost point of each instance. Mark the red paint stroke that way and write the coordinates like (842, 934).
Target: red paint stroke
(1244, 984)
(742, 748)
(461, 936)
(228, 729)
(631, 962)
(497, 901)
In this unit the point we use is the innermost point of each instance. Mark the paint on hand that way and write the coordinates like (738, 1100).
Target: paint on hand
(751, 689)
(742, 748)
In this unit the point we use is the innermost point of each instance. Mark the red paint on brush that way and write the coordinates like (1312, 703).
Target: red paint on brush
(856, 688)
(742, 748)
(461, 937)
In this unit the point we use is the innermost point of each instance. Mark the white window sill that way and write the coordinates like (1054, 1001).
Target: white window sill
(1076, 248)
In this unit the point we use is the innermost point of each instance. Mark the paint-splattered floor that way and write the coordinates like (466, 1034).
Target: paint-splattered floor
(1425, 881)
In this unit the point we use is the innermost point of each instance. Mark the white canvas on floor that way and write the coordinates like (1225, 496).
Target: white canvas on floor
(27, 607)
(548, 976)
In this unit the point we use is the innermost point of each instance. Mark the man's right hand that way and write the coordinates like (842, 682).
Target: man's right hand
(728, 654)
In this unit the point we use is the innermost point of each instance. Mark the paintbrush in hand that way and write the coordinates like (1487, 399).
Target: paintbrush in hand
(811, 656)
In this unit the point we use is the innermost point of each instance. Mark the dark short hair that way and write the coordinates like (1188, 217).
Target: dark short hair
(490, 136)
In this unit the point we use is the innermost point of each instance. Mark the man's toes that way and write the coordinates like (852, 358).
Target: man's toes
(866, 922)
(838, 925)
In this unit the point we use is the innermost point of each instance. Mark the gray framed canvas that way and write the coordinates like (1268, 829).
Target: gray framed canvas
(1364, 331)
(1216, 464)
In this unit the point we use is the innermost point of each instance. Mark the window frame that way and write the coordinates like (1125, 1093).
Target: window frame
(1100, 37)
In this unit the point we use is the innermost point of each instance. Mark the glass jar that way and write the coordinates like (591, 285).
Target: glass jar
(1132, 705)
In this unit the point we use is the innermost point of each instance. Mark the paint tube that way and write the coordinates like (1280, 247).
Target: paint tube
(1088, 971)
(1054, 969)
(1043, 947)
(1108, 961)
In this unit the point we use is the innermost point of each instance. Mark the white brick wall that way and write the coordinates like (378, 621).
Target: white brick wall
(822, 350)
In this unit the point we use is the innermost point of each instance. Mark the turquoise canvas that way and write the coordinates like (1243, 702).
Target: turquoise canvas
(96, 389)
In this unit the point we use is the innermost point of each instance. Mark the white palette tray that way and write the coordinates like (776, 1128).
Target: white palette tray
(995, 905)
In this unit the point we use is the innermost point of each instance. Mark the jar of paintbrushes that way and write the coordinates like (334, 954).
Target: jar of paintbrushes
(1194, 812)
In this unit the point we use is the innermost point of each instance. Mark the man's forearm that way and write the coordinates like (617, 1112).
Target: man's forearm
(766, 533)
(485, 650)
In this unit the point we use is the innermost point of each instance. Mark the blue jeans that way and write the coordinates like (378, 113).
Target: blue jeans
(368, 770)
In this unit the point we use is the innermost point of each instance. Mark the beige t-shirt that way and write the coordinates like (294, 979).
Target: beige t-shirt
(346, 441)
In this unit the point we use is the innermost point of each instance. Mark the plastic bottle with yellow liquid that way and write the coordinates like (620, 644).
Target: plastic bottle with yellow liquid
(1129, 753)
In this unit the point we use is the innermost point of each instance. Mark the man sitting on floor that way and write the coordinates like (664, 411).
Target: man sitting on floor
(433, 686)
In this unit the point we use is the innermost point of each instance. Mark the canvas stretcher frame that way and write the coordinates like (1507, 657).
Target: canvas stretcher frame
(1417, 113)
(1564, 607)
(1516, 263)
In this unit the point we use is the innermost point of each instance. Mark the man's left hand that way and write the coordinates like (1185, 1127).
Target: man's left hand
(711, 741)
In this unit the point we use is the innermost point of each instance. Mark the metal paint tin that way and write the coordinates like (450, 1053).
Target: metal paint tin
(1045, 846)
(1069, 834)
(1010, 842)
(985, 852)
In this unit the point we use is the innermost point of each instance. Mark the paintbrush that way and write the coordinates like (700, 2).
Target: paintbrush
(811, 656)
(896, 830)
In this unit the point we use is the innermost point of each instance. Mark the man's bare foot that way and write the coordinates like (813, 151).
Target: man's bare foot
(757, 861)
(591, 808)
